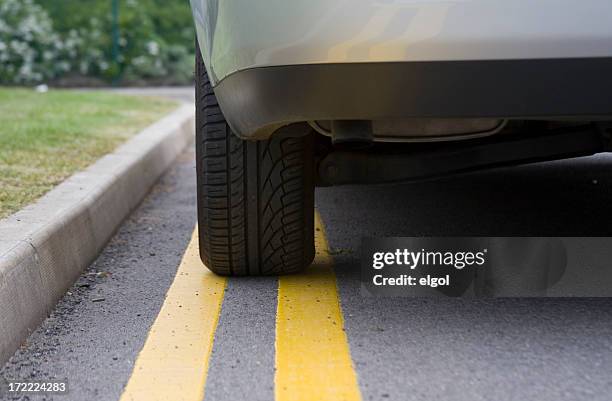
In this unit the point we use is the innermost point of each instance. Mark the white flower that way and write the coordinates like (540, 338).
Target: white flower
(153, 48)
(139, 61)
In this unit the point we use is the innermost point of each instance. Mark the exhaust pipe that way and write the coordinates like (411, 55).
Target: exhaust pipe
(352, 134)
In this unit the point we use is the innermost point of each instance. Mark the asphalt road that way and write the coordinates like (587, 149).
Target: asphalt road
(401, 348)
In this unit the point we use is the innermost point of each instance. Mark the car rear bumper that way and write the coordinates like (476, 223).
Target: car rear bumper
(244, 34)
(256, 101)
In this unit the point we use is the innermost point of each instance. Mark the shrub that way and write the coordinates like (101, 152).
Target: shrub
(156, 38)
(50, 38)
(30, 50)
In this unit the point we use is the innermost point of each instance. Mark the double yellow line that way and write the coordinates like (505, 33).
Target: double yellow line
(173, 362)
(313, 360)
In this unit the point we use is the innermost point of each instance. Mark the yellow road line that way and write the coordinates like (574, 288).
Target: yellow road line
(313, 360)
(173, 363)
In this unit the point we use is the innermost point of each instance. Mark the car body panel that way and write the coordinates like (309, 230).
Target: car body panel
(241, 34)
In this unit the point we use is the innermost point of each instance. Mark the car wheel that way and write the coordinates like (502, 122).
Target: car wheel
(255, 198)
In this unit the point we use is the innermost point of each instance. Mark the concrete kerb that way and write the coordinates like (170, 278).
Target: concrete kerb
(45, 246)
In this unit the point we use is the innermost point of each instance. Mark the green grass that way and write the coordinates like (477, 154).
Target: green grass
(46, 137)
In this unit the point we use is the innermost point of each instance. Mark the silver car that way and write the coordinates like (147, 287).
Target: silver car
(293, 94)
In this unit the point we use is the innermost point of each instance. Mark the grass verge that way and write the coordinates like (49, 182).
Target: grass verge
(46, 137)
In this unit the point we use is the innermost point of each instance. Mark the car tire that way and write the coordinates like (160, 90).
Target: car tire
(255, 198)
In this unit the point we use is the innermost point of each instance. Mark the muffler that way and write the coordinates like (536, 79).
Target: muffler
(352, 134)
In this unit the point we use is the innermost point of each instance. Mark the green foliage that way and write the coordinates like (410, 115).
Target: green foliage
(155, 43)
(29, 48)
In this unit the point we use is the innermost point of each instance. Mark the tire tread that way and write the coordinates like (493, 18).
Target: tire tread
(279, 189)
